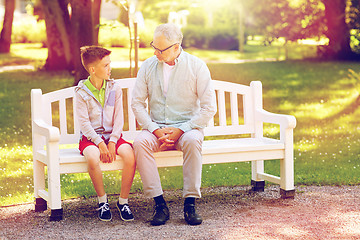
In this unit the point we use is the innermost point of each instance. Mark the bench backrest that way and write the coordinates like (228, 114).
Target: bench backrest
(235, 115)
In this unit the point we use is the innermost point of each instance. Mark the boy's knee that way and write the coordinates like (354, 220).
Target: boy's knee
(92, 156)
(93, 163)
(126, 153)
(129, 161)
(124, 150)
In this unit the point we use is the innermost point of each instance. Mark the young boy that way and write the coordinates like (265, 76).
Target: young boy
(100, 115)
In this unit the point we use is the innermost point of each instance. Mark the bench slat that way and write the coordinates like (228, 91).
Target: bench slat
(221, 107)
(209, 147)
(234, 109)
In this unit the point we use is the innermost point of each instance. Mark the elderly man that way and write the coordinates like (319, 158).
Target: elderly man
(181, 100)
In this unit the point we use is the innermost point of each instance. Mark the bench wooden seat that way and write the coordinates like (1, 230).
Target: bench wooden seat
(240, 113)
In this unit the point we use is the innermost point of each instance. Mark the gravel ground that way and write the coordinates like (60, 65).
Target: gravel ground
(228, 212)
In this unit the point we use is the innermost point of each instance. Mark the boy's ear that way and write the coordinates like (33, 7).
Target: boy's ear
(91, 70)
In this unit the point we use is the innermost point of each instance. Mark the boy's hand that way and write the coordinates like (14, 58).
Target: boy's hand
(104, 153)
(112, 151)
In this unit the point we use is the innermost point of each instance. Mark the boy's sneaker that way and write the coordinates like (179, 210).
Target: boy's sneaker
(125, 212)
(104, 212)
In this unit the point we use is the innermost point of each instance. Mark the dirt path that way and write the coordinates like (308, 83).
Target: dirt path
(228, 213)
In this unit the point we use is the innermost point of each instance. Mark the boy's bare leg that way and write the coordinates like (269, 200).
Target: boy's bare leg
(92, 156)
(126, 153)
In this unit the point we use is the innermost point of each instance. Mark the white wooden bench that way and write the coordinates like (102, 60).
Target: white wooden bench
(245, 115)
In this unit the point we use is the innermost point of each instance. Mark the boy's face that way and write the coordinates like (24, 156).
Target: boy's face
(101, 69)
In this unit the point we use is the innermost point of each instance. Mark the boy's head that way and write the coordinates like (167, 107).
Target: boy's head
(90, 55)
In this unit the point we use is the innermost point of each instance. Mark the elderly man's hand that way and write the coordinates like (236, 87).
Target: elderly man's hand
(167, 137)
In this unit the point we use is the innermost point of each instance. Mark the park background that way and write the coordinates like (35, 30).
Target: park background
(305, 52)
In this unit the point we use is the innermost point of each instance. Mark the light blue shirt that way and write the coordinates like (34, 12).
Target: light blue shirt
(190, 101)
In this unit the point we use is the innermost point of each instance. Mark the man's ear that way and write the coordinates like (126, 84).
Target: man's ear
(176, 47)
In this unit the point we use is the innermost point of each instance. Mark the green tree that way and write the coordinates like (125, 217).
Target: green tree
(5, 37)
(282, 18)
(334, 19)
(159, 9)
(337, 31)
(67, 33)
(82, 30)
(95, 12)
(58, 32)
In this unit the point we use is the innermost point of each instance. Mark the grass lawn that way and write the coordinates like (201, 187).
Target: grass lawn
(326, 142)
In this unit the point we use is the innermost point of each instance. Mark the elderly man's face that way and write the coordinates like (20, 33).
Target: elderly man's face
(165, 50)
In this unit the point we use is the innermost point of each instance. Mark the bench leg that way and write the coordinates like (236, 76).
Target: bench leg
(40, 205)
(287, 193)
(56, 214)
(257, 186)
(287, 189)
(54, 186)
(39, 184)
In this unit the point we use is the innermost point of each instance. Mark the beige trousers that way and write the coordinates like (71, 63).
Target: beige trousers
(190, 143)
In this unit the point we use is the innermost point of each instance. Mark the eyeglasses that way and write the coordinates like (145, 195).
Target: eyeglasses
(163, 50)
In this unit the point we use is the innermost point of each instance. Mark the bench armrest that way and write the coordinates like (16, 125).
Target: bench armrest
(286, 121)
(51, 133)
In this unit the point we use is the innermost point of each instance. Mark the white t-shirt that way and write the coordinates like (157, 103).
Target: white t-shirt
(167, 70)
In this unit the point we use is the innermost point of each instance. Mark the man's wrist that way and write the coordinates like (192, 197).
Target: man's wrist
(157, 132)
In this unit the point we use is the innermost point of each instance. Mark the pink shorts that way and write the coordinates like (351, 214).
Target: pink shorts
(84, 142)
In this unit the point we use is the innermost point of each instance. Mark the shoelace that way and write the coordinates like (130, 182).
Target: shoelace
(104, 208)
(127, 209)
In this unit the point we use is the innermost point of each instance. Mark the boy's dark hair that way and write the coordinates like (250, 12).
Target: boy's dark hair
(90, 54)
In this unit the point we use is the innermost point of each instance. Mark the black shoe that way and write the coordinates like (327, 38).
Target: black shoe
(125, 212)
(191, 217)
(104, 212)
(161, 215)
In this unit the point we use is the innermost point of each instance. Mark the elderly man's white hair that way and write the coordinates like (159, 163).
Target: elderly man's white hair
(170, 31)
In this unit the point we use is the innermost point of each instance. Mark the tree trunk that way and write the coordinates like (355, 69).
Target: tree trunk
(82, 33)
(5, 37)
(337, 32)
(57, 22)
(96, 19)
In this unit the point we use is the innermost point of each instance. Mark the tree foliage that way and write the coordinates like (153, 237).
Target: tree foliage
(73, 23)
(281, 18)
